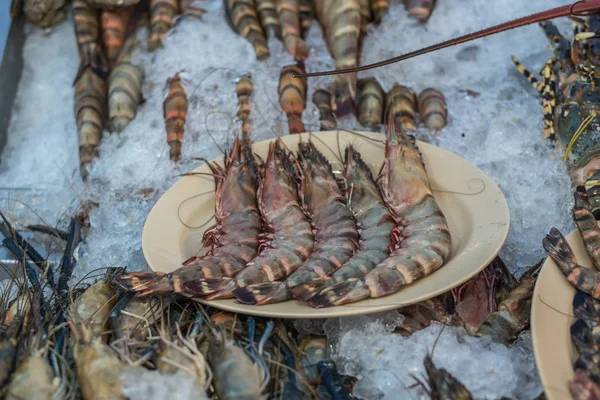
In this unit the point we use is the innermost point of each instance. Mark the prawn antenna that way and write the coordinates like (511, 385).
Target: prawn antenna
(580, 8)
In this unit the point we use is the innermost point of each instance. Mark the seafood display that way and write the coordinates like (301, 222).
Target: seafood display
(175, 110)
(319, 225)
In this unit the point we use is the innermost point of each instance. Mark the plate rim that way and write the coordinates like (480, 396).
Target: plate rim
(311, 313)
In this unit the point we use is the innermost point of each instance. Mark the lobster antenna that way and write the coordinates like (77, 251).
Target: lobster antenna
(580, 8)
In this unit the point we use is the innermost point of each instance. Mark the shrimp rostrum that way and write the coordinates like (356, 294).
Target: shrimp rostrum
(233, 240)
(421, 237)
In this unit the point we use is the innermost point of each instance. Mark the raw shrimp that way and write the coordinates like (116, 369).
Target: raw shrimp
(95, 304)
(99, 369)
(234, 240)
(90, 113)
(370, 103)
(375, 223)
(292, 96)
(336, 236)
(244, 18)
(422, 229)
(124, 88)
(281, 209)
(175, 108)
(163, 14)
(289, 17)
(322, 100)
(114, 30)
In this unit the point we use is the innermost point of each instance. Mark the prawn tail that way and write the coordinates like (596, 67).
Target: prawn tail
(205, 287)
(559, 250)
(263, 293)
(307, 290)
(345, 292)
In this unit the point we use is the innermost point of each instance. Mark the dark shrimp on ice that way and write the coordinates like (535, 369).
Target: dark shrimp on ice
(234, 239)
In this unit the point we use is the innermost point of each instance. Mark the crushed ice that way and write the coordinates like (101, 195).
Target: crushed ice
(499, 131)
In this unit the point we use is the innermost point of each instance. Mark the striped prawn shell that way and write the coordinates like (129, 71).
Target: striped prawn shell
(90, 114)
(87, 32)
(244, 18)
(233, 240)
(379, 9)
(420, 9)
(370, 103)
(402, 107)
(586, 223)
(87, 24)
(336, 235)
(114, 30)
(244, 90)
(375, 221)
(124, 91)
(432, 109)
(191, 8)
(289, 16)
(306, 12)
(365, 15)
(341, 22)
(407, 192)
(269, 17)
(322, 100)
(281, 209)
(292, 96)
(162, 17)
(175, 110)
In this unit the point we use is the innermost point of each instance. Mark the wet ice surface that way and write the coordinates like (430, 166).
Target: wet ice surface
(499, 131)
(384, 362)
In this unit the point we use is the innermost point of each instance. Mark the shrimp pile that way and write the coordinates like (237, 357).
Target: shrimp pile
(289, 229)
(286, 220)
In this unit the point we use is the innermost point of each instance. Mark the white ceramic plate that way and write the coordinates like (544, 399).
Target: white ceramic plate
(474, 206)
